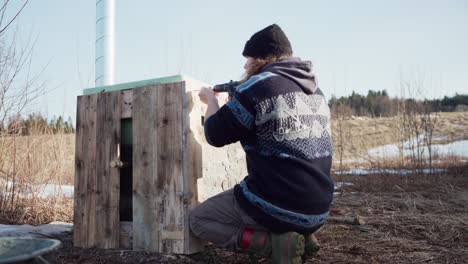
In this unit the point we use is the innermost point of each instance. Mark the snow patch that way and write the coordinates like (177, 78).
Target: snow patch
(339, 185)
(363, 171)
(41, 190)
(53, 228)
(457, 148)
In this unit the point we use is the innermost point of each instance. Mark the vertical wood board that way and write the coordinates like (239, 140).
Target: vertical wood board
(158, 168)
(170, 186)
(108, 179)
(84, 231)
(78, 214)
(146, 202)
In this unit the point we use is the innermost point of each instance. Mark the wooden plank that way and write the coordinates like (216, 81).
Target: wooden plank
(126, 103)
(126, 235)
(158, 167)
(108, 178)
(194, 164)
(170, 186)
(146, 202)
(78, 212)
(85, 172)
(172, 235)
(91, 178)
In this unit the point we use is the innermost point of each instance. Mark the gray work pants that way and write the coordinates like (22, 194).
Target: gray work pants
(221, 221)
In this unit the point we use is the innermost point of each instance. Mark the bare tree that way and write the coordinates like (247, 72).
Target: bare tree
(416, 123)
(18, 85)
(18, 88)
(341, 114)
(429, 122)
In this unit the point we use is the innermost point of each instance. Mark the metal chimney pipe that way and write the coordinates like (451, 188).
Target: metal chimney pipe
(104, 64)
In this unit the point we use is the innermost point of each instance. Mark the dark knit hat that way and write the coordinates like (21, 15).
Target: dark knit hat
(270, 41)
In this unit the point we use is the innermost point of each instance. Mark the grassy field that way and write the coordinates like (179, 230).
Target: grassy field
(41, 158)
(27, 163)
(50, 158)
(362, 133)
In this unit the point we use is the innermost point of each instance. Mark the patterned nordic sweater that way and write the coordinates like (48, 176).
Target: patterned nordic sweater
(283, 123)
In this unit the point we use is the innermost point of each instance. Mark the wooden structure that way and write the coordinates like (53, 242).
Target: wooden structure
(165, 165)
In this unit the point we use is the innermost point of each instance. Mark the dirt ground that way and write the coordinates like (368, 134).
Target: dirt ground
(422, 221)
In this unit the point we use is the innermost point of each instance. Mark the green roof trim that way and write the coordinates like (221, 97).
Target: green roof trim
(131, 85)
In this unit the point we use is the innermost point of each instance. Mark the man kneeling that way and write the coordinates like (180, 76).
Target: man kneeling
(282, 121)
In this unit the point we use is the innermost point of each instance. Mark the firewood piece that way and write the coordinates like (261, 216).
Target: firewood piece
(356, 220)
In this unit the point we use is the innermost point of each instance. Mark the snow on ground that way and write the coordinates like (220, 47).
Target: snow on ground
(35, 231)
(339, 185)
(48, 190)
(345, 161)
(364, 171)
(41, 190)
(53, 189)
(457, 148)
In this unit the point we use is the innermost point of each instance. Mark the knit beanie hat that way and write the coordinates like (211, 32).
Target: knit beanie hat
(270, 41)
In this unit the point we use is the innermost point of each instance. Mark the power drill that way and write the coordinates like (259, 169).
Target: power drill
(229, 87)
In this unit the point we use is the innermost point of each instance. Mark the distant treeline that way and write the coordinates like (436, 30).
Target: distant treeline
(36, 124)
(378, 103)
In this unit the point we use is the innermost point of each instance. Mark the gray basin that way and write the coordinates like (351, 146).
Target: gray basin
(15, 249)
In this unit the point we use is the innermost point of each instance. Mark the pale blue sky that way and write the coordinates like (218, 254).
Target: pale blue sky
(354, 45)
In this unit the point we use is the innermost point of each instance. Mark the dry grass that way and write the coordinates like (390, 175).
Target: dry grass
(42, 158)
(384, 179)
(363, 133)
(38, 211)
(27, 162)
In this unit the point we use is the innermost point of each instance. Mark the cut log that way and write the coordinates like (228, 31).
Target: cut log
(356, 220)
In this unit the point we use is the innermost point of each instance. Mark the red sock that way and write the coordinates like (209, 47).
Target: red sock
(247, 235)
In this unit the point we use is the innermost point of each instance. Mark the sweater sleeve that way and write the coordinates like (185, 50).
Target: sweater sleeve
(231, 123)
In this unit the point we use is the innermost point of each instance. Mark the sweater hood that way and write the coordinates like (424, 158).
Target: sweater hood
(295, 69)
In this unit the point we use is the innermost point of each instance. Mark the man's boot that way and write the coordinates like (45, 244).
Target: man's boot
(312, 245)
(256, 241)
(286, 248)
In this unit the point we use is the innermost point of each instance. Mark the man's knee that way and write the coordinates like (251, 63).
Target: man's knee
(194, 221)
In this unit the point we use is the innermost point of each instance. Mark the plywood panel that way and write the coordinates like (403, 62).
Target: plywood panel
(146, 202)
(108, 178)
(84, 231)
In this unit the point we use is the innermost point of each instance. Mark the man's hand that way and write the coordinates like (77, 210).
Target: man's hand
(206, 95)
